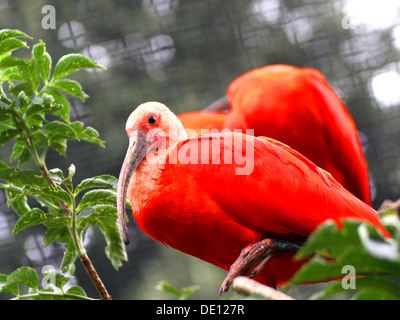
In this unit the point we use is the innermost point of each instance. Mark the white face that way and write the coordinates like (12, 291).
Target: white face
(152, 126)
(159, 124)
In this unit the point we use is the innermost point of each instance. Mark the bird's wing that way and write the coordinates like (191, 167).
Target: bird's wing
(265, 185)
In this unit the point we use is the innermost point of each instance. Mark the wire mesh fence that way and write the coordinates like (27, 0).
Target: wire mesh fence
(185, 53)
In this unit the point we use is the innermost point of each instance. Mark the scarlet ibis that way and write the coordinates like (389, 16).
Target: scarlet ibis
(219, 195)
(298, 107)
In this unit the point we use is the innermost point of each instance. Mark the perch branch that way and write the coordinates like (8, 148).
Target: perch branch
(246, 286)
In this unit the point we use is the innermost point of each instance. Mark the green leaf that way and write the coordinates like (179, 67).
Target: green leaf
(59, 193)
(25, 276)
(71, 63)
(61, 129)
(59, 144)
(9, 62)
(381, 283)
(60, 100)
(30, 73)
(168, 288)
(374, 294)
(43, 59)
(28, 178)
(181, 295)
(115, 249)
(71, 87)
(60, 279)
(18, 148)
(336, 247)
(77, 291)
(11, 44)
(100, 196)
(37, 216)
(56, 175)
(103, 181)
(12, 33)
(10, 288)
(70, 256)
(87, 134)
(7, 135)
(26, 87)
(17, 201)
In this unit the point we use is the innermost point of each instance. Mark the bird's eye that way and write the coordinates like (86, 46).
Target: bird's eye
(152, 120)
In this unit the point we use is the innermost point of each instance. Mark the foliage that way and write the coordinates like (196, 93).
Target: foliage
(34, 116)
(334, 251)
(183, 294)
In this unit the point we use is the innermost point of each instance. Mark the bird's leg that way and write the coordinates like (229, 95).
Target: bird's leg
(390, 205)
(260, 254)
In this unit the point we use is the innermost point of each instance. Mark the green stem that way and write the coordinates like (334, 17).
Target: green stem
(74, 230)
(52, 294)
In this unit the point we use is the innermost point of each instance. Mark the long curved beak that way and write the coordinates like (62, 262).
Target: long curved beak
(221, 105)
(136, 152)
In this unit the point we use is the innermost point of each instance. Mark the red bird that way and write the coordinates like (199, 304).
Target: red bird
(299, 108)
(219, 195)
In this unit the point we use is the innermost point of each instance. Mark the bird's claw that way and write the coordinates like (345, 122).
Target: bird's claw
(260, 254)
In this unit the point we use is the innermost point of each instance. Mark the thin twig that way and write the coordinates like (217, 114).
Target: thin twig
(246, 286)
(95, 278)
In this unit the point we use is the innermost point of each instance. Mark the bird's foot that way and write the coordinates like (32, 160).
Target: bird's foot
(390, 205)
(260, 254)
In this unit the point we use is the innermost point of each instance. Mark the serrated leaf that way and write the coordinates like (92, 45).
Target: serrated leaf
(61, 129)
(12, 33)
(58, 279)
(100, 196)
(97, 211)
(70, 256)
(374, 294)
(115, 249)
(26, 87)
(7, 135)
(56, 175)
(77, 291)
(59, 144)
(43, 59)
(30, 72)
(37, 216)
(71, 63)
(103, 181)
(29, 178)
(11, 44)
(168, 288)
(71, 87)
(11, 74)
(87, 134)
(61, 100)
(335, 248)
(17, 202)
(11, 288)
(58, 233)
(376, 282)
(25, 276)
(9, 62)
(59, 193)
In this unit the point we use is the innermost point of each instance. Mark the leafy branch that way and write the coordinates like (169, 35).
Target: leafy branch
(374, 259)
(30, 95)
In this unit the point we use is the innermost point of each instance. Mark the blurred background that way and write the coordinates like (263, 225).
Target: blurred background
(185, 53)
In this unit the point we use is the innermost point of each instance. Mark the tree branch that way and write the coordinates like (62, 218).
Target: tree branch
(247, 286)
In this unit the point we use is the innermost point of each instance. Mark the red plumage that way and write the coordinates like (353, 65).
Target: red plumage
(299, 108)
(190, 196)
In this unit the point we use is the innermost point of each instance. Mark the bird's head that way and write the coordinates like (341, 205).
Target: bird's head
(153, 130)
